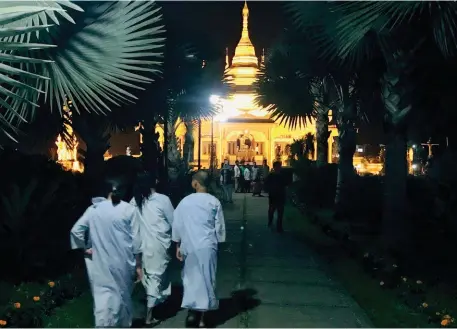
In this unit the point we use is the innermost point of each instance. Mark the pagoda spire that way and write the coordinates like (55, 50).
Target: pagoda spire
(244, 51)
(226, 59)
(245, 31)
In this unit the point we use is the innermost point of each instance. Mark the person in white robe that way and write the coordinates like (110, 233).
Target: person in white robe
(198, 228)
(113, 245)
(154, 215)
(81, 226)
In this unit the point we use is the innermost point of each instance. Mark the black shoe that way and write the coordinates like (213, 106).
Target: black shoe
(193, 319)
(202, 322)
(151, 320)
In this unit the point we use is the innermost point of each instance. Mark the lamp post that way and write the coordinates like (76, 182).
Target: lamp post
(214, 100)
(199, 144)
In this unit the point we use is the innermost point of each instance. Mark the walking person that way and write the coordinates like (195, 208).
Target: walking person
(154, 215)
(275, 185)
(227, 181)
(247, 179)
(109, 235)
(198, 228)
(237, 174)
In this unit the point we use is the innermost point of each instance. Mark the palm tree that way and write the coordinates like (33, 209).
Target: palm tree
(288, 88)
(396, 33)
(97, 54)
(193, 104)
(299, 85)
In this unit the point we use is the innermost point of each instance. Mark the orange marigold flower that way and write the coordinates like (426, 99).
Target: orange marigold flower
(17, 305)
(36, 298)
(445, 322)
(51, 284)
(3, 323)
(424, 305)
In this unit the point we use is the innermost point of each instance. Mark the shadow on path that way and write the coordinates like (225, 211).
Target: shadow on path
(240, 301)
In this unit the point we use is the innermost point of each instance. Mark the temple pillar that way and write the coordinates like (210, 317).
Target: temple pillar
(330, 148)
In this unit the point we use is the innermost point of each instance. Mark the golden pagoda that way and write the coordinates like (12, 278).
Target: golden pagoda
(67, 155)
(242, 130)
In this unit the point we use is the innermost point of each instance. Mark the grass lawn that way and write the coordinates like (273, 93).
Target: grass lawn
(381, 305)
(76, 313)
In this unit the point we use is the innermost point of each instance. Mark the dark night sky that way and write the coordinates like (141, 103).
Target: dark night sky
(212, 26)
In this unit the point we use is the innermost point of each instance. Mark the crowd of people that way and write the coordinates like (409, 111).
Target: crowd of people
(128, 243)
(244, 178)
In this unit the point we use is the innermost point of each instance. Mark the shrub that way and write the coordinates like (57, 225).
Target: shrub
(30, 303)
(39, 203)
(316, 185)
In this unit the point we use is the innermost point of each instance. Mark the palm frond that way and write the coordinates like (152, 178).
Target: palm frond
(284, 85)
(19, 88)
(114, 47)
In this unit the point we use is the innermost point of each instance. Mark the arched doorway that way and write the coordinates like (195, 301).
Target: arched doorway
(246, 145)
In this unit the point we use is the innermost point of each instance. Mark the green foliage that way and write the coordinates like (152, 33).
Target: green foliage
(85, 59)
(315, 185)
(39, 204)
(29, 304)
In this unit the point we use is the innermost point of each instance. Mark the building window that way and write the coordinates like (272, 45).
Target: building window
(231, 148)
(206, 148)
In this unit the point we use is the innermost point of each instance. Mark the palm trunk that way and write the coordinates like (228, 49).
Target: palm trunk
(346, 148)
(394, 214)
(397, 105)
(322, 134)
(188, 151)
(173, 156)
(346, 173)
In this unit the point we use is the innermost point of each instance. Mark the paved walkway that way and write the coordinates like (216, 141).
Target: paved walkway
(269, 280)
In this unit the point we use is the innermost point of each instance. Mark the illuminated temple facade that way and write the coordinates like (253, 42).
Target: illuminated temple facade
(243, 130)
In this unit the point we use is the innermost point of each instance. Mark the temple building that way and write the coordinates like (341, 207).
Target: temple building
(243, 130)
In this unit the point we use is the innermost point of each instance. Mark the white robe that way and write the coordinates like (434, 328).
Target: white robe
(155, 221)
(112, 268)
(199, 226)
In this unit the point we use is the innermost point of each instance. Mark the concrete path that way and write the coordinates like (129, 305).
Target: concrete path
(267, 279)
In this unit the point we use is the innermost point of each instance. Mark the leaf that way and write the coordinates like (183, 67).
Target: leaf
(115, 48)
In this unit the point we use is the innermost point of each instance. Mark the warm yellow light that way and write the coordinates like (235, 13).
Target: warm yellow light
(214, 99)
(68, 157)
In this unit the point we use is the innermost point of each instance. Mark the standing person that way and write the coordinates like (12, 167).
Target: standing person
(154, 215)
(227, 181)
(276, 187)
(237, 173)
(257, 179)
(115, 249)
(247, 179)
(198, 228)
(242, 181)
(265, 171)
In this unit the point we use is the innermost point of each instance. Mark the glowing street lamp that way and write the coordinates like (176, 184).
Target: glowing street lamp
(214, 100)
